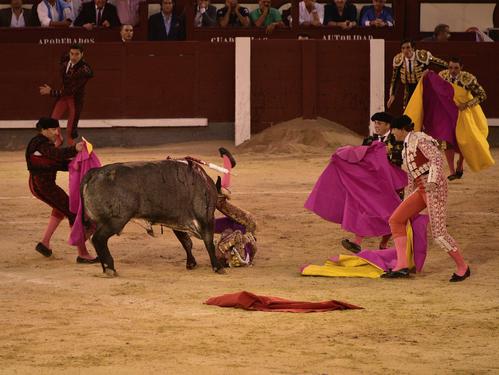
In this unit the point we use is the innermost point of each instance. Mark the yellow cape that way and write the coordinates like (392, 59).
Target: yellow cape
(471, 128)
(354, 266)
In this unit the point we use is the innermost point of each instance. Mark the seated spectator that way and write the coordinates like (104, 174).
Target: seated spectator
(311, 13)
(233, 14)
(55, 13)
(126, 32)
(377, 15)
(128, 11)
(97, 13)
(480, 36)
(16, 15)
(75, 8)
(441, 34)
(266, 16)
(166, 25)
(340, 14)
(206, 14)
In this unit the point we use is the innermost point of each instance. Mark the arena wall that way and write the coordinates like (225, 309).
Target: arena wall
(289, 79)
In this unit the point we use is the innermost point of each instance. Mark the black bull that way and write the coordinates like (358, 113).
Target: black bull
(177, 194)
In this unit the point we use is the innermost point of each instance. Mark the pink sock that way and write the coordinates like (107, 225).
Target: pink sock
(461, 265)
(83, 252)
(401, 247)
(358, 239)
(449, 155)
(54, 222)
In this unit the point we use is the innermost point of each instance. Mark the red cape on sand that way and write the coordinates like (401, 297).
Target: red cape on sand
(249, 301)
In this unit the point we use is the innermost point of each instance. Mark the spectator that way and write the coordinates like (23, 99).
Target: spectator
(340, 13)
(441, 34)
(233, 14)
(75, 8)
(166, 25)
(128, 11)
(97, 13)
(266, 16)
(377, 15)
(55, 13)
(206, 14)
(126, 32)
(16, 15)
(480, 36)
(311, 13)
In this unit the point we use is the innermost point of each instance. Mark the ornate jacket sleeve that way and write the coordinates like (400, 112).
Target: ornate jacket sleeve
(477, 91)
(438, 61)
(432, 153)
(395, 78)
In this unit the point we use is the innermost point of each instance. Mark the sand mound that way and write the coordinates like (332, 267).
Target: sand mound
(301, 136)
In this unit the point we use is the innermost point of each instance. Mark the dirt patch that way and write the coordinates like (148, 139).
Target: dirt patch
(59, 317)
(300, 136)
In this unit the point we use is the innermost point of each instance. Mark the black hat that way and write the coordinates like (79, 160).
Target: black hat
(46, 123)
(403, 122)
(382, 116)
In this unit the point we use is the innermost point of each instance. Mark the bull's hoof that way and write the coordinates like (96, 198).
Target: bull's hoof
(191, 266)
(108, 272)
(220, 271)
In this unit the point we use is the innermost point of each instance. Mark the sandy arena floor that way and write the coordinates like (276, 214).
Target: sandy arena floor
(58, 317)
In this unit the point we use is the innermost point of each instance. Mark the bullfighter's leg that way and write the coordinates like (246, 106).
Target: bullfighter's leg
(186, 242)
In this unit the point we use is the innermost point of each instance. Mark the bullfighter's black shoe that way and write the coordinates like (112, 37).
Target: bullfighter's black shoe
(81, 260)
(401, 273)
(44, 250)
(456, 278)
(351, 246)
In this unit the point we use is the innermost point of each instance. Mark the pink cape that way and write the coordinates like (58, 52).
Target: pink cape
(358, 190)
(78, 168)
(249, 301)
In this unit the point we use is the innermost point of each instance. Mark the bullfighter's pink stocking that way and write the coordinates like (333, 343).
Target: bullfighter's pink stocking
(54, 222)
(401, 247)
(460, 263)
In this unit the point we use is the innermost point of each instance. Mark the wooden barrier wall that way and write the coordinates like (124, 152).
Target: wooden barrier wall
(290, 78)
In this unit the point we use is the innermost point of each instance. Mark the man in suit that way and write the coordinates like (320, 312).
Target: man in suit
(166, 25)
(97, 13)
(16, 15)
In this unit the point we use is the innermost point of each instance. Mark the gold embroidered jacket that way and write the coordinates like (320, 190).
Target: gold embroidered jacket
(421, 61)
(469, 82)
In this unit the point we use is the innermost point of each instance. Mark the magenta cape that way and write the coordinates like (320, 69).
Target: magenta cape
(358, 190)
(78, 168)
(440, 111)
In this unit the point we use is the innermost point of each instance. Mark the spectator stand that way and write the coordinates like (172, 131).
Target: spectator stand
(218, 34)
(69, 35)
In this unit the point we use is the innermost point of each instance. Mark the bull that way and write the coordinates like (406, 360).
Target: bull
(175, 193)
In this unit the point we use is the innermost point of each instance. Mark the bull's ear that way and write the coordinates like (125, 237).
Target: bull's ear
(218, 184)
(223, 151)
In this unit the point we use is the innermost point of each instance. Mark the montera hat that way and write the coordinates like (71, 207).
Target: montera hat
(382, 116)
(47, 123)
